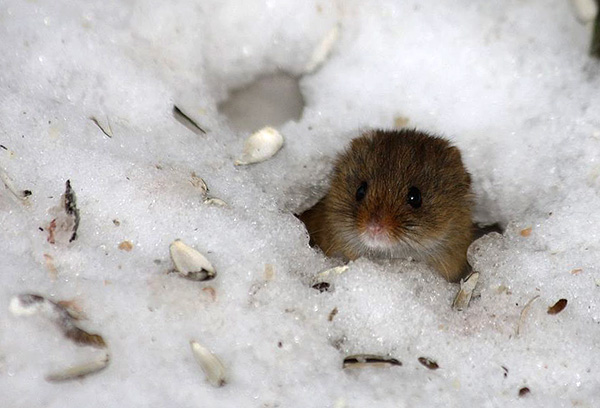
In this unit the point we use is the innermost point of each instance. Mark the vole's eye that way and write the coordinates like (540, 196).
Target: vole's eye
(414, 197)
(361, 192)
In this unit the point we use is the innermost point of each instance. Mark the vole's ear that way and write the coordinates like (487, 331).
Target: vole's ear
(456, 156)
(455, 153)
(361, 142)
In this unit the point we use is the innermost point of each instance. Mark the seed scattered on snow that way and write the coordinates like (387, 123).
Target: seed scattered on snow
(190, 263)
(30, 304)
(20, 194)
(199, 183)
(323, 280)
(322, 286)
(369, 360)
(211, 365)
(126, 246)
(80, 371)
(260, 146)
(217, 202)
(463, 297)
(330, 273)
(526, 232)
(429, 363)
(70, 205)
(63, 228)
(332, 314)
(557, 307)
(212, 293)
(322, 51)
(524, 313)
(524, 391)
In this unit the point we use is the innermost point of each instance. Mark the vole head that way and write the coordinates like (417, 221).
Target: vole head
(397, 192)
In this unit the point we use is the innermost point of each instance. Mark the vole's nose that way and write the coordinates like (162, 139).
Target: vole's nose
(374, 228)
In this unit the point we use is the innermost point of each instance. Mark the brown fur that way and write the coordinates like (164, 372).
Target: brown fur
(439, 232)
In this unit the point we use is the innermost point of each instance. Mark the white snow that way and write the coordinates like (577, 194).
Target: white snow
(509, 82)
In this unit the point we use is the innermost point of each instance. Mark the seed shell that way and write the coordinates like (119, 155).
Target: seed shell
(260, 146)
(369, 360)
(190, 263)
(557, 307)
(211, 365)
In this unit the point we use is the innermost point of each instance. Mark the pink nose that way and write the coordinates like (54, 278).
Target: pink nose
(374, 228)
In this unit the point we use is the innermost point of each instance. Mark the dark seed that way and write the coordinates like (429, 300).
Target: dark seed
(432, 365)
(524, 391)
(557, 307)
(361, 360)
(321, 286)
(70, 203)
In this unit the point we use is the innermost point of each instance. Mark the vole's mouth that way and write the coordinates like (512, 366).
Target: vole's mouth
(384, 246)
(380, 241)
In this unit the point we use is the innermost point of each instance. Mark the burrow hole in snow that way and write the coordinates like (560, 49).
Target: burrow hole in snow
(271, 100)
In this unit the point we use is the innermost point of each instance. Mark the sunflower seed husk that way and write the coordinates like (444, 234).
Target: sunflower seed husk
(199, 183)
(260, 146)
(463, 297)
(20, 194)
(217, 202)
(211, 365)
(30, 304)
(190, 263)
(323, 280)
(79, 371)
(322, 51)
(429, 363)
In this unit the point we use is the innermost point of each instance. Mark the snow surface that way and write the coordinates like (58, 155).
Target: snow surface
(509, 82)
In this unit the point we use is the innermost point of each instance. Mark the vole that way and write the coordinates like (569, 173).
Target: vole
(397, 193)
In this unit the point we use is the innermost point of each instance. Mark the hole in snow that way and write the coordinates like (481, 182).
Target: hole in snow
(269, 101)
(481, 230)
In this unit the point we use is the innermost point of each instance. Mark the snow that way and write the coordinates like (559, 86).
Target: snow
(509, 82)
